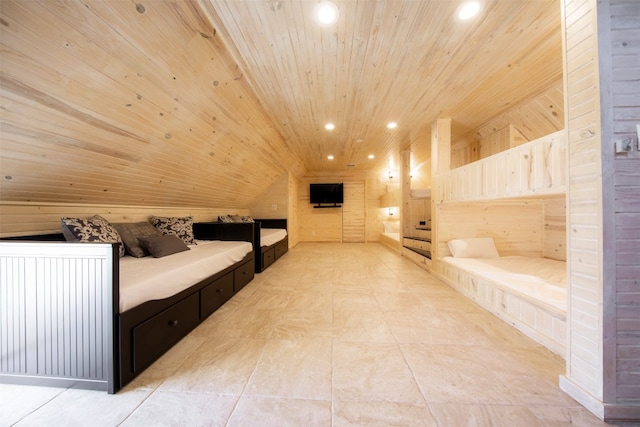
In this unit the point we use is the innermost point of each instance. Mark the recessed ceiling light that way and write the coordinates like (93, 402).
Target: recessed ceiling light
(329, 126)
(392, 125)
(468, 10)
(326, 13)
(371, 156)
(330, 157)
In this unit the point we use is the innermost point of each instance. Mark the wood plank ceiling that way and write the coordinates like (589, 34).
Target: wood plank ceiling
(208, 102)
(406, 61)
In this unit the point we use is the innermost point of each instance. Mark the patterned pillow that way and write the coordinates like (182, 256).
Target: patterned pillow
(93, 229)
(225, 218)
(179, 226)
(130, 232)
(234, 218)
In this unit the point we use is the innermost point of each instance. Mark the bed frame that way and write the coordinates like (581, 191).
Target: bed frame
(263, 256)
(541, 322)
(59, 318)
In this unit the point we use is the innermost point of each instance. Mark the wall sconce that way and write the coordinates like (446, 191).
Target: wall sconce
(390, 175)
(391, 211)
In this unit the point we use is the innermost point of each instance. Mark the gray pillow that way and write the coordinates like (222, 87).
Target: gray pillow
(163, 245)
(95, 229)
(131, 231)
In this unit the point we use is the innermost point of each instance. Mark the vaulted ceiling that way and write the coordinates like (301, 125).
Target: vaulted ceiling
(208, 102)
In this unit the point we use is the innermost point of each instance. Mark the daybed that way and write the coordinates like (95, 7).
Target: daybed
(272, 239)
(391, 235)
(269, 237)
(78, 315)
(529, 293)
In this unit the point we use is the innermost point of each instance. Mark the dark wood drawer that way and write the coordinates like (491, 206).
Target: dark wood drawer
(156, 335)
(243, 275)
(214, 295)
(282, 247)
(268, 257)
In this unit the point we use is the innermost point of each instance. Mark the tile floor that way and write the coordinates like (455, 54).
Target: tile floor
(330, 335)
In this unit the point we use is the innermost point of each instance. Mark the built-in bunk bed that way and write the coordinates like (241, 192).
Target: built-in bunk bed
(390, 235)
(270, 238)
(88, 315)
(501, 236)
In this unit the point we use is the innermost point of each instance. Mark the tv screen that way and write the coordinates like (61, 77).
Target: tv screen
(326, 193)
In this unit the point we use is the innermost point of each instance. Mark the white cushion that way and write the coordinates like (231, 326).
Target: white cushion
(391, 226)
(477, 247)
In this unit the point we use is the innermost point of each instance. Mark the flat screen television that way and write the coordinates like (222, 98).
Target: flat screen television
(326, 193)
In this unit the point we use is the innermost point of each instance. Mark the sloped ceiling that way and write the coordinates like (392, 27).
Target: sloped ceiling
(207, 103)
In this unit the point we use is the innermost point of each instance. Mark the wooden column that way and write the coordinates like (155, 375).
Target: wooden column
(405, 188)
(440, 163)
(603, 191)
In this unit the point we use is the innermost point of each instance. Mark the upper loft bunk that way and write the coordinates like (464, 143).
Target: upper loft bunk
(534, 169)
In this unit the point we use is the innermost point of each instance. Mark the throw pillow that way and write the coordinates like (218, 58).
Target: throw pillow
(163, 245)
(178, 226)
(477, 247)
(225, 218)
(95, 229)
(130, 232)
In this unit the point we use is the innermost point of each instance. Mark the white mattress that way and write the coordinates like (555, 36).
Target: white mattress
(148, 278)
(541, 279)
(393, 236)
(270, 236)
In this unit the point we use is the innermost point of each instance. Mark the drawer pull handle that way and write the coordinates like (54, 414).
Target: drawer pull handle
(173, 323)
(219, 290)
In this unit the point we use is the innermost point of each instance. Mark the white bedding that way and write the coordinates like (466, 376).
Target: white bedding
(542, 279)
(393, 236)
(270, 236)
(148, 278)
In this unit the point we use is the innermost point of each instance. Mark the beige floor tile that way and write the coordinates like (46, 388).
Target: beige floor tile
(293, 368)
(311, 300)
(296, 324)
(82, 407)
(372, 372)
(18, 401)
(572, 415)
(484, 415)
(449, 374)
(345, 299)
(434, 327)
(268, 412)
(182, 409)
(361, 326)
(246, 322)
(379, 414)
(221, 365)
(401, 301)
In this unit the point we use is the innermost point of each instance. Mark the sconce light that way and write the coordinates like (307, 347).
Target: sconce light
(390, 175)
(391, 211)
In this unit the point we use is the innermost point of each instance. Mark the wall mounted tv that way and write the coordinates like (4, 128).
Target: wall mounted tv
(326, 193)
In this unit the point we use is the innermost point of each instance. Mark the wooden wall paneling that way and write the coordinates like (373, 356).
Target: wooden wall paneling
(536, 168)
(293, 216)
(353, 212)
(277, 196)
(440, 165)
(119, 106)
(24, 219)
(555, 229)
(515, 225)
(619, 66)
(584, 378)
